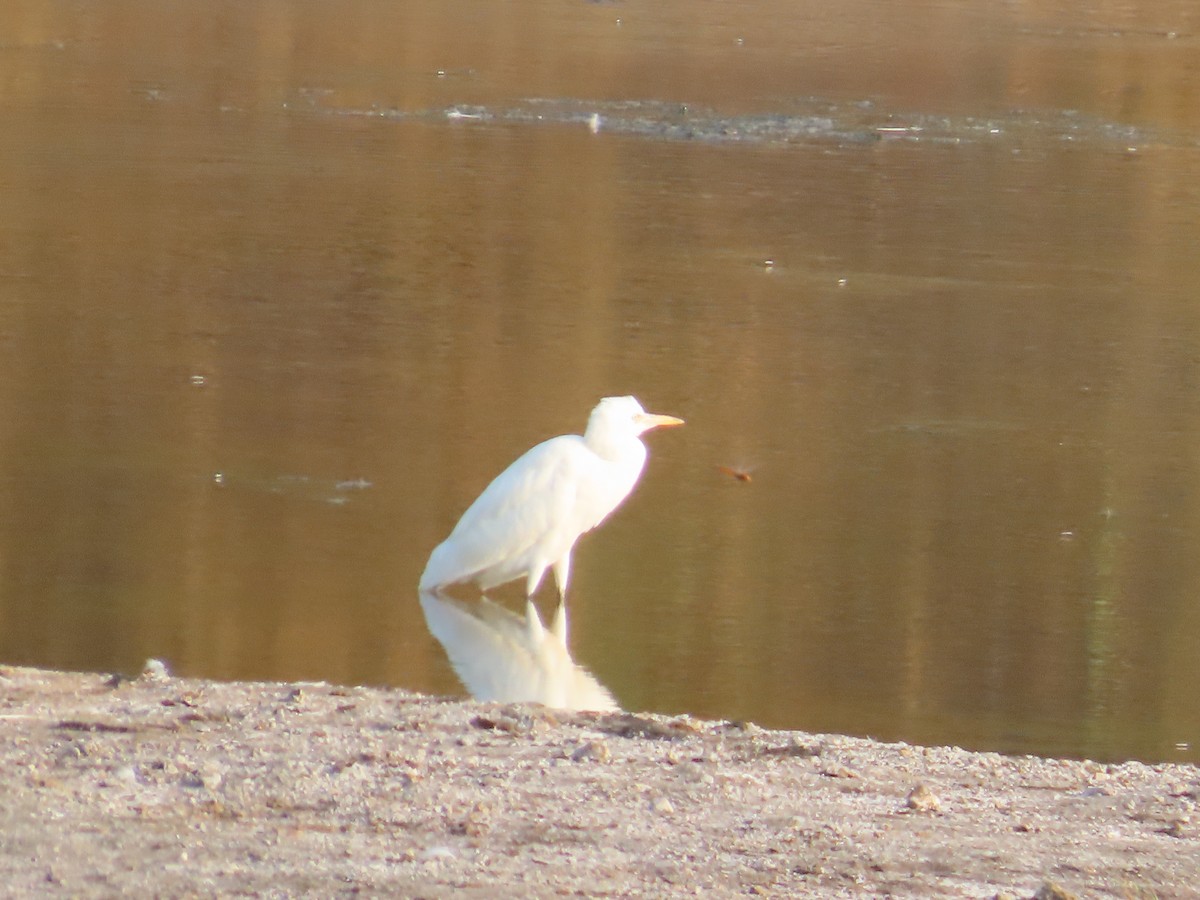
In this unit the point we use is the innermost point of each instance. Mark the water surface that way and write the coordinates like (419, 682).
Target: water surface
(282, 286)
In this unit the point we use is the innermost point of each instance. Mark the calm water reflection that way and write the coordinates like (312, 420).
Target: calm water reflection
(508, 658)
(270, 319)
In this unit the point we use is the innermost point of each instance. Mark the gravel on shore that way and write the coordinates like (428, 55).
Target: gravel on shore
(172, 787)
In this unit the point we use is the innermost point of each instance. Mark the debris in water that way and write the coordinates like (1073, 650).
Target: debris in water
(737, 474)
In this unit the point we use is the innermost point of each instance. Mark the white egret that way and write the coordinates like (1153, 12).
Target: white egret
(500, 656)
(528, 519)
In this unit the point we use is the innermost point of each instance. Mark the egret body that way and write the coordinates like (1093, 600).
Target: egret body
(528, 519)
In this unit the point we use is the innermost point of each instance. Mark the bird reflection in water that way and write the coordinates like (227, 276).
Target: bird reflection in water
(499, 655)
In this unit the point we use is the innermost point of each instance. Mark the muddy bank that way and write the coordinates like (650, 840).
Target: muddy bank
(177, 787)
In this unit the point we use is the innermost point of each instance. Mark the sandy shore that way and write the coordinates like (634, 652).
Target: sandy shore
(171, 787)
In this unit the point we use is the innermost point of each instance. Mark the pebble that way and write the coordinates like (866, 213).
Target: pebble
(155, 668)
(662, 806)
(597, 751)
(922, 799)
(1051, 891)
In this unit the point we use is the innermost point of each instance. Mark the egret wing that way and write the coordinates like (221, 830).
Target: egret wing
(517, 520)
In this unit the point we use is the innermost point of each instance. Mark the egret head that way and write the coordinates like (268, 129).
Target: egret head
(618, 416)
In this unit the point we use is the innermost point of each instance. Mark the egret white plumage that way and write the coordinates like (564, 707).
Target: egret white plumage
(529, 518)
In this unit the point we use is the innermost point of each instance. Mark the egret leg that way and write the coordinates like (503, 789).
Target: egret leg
(534, 579)
(562, 572)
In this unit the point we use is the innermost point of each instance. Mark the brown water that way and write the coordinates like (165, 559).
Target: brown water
(283, 285)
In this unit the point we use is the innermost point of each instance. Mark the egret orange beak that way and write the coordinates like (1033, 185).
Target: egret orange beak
(653, 420)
